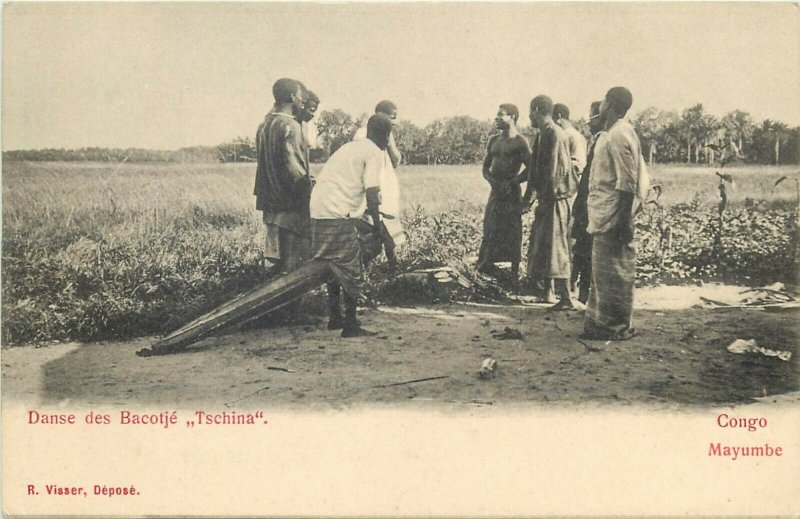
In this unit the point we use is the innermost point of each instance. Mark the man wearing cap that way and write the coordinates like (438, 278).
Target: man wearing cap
(283, 185)
(617, 177)
(348, 187)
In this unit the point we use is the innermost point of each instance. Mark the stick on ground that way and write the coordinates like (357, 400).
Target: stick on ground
(410, 381)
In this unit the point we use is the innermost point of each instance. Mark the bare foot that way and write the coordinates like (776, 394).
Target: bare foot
(335, 323)
(565, 304)
(548, 297)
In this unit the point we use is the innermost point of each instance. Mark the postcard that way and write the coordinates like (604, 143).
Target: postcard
(453, 259)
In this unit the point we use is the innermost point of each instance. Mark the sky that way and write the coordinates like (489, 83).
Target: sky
(169, 75)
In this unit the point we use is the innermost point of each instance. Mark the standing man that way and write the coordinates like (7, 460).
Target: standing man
(582, 250)
(349, 186)
(390, 187)
(555, 182)
(283, 185)
(506, 153)
(617, 177)
(577, 143)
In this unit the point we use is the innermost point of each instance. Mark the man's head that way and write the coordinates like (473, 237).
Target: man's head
(379, 126)
(287, 90)
(507, 116)
(310, 105)
(596, 122)
(616, 103)
(541, 110)
(560, 111)
(387, 108)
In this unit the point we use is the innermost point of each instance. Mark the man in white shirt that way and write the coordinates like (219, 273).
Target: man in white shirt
(348, 187)
(617, 177)
(390, 187)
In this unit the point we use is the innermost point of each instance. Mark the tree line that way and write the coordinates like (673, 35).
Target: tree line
(191, 154)
(696, 136)
(692, 136)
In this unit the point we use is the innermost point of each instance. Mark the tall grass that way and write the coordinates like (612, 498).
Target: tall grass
(94, 251)
(114, 251)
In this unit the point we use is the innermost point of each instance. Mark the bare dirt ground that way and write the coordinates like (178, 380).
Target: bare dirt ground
(679, 359)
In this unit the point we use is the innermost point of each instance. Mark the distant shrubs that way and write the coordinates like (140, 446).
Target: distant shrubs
(115, 155)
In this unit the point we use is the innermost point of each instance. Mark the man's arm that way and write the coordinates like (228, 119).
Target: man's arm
(487, 164)
(581, 153)
(374, 206)
(525, 153)
(624, 230)
(372, 184)
(625, 162)
(394, 151)
(531, 169)
(577, 152)
(296, 167)
(259, 151)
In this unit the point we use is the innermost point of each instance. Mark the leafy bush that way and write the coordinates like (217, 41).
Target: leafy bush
(114, 286)
(756, 245)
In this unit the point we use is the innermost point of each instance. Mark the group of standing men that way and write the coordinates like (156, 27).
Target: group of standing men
(581, 234)
(582, 230)
(346, 216)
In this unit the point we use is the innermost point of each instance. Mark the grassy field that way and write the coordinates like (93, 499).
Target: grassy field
(93, 197)
(94, 251)
(443, 188)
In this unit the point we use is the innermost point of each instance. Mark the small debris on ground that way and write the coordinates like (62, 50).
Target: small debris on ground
(767, 296)
(508, 334)
(488, 368)
(741, 346)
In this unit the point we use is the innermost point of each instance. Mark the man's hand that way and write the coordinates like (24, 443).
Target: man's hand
(394, 152)
(527, 201)
(624, 229)
(624, 233)
(373, 207)
(302, 188)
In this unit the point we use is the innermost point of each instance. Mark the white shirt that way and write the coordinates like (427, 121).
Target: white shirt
(577, 148)
(617, 166)
(390, 186)
(342, 184)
